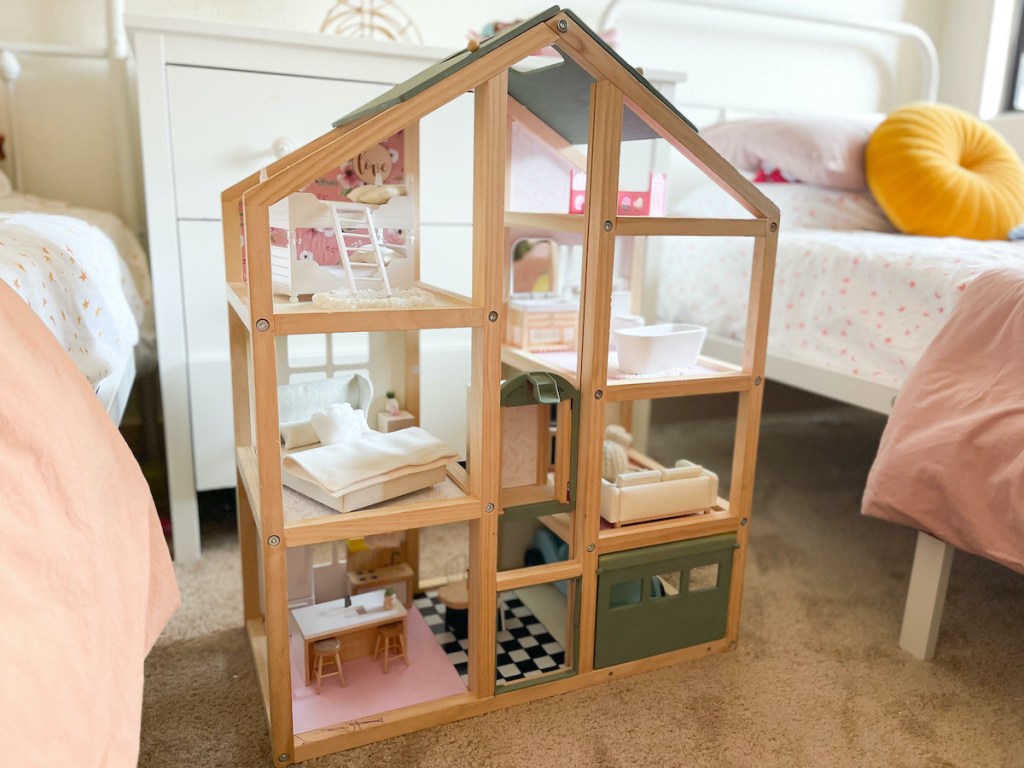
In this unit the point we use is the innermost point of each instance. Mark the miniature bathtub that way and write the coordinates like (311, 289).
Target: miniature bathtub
(653, 348)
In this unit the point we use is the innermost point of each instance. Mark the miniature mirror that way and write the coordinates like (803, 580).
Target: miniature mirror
(534, 267)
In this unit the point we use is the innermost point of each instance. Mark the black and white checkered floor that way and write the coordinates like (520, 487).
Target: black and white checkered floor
(525, 648)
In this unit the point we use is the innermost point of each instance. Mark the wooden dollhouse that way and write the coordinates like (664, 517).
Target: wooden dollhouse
(615, 598)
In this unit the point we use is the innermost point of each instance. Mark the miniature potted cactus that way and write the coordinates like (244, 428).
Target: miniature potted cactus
(391, 403)
(389, 598)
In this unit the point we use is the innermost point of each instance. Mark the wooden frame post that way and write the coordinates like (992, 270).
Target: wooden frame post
(484, 428)
(748, 418)
(272, 535)
(592, 363)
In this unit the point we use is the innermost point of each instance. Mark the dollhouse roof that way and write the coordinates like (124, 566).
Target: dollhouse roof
(558, 94)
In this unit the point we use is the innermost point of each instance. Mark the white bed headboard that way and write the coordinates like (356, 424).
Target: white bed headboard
(755, 60)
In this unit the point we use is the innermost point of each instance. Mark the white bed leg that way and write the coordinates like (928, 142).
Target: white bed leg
(926, 596)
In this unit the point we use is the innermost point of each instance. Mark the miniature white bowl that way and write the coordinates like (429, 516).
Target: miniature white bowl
(653, 348)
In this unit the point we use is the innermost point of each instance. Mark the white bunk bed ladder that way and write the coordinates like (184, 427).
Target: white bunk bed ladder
(350, 219)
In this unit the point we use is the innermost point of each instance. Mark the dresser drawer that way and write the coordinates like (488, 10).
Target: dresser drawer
(224, 124)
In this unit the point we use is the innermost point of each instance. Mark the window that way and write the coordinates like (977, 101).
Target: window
(1014, 95)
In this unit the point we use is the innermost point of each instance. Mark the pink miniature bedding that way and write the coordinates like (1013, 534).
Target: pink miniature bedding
(86, 583)
(951, 459)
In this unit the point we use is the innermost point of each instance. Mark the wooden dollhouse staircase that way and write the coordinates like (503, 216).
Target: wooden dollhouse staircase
(354, 221)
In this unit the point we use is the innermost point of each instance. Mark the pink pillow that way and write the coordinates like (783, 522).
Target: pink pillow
(827, 151)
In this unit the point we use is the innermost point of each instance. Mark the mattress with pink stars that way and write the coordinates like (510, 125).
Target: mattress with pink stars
(86, 277)
(859, 301)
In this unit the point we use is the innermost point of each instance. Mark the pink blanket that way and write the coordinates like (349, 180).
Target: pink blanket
(951, 460)
(86, 582)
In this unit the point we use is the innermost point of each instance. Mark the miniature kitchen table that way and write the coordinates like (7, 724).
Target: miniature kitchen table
(355, 625)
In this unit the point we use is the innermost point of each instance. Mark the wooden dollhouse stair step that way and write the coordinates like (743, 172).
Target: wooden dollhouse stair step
(349, 216)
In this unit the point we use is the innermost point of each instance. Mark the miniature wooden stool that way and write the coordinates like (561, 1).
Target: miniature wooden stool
(327, 650)
(391, 639)
(455, 598)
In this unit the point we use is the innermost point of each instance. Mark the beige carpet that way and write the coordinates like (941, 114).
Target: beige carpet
(818, 679)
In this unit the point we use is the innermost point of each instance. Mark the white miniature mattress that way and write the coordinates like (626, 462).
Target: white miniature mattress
(85, 275)
(859, 303)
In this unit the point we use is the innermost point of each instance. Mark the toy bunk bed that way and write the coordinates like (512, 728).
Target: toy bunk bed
(857, 304)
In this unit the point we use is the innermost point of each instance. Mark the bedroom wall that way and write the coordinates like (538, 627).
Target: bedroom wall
(69, 138)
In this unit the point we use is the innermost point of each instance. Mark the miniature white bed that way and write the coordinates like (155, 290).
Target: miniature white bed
(651, 494)
(295, 276)
(375, 467)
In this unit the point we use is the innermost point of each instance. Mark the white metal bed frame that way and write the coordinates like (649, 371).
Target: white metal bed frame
(114, 390)
(932, 558)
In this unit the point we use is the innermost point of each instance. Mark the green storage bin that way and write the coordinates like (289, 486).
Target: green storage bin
(662, 598)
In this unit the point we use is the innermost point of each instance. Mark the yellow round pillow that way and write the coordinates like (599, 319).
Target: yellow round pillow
(938, 171)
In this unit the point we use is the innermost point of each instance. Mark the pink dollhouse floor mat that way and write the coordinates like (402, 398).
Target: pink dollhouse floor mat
(368, 691)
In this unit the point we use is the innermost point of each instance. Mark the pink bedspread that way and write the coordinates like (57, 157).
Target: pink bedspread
(951, 460)
(86, 583)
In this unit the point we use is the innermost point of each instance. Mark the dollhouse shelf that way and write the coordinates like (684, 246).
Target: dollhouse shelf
(710, 376)
(526, 223)
(639, 226)
(452, 311)
(612, 539)
(413, 510)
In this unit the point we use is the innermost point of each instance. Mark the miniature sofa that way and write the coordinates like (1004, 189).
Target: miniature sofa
(365, 468)
(657, 493)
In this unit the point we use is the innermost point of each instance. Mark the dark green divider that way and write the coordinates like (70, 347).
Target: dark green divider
(637, 617)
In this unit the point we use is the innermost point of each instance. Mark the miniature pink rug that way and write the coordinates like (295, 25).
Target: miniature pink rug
(368, 691)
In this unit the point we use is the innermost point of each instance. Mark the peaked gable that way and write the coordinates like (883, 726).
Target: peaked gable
(558, 94)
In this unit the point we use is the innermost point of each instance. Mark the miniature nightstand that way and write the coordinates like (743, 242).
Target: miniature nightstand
(387, 422)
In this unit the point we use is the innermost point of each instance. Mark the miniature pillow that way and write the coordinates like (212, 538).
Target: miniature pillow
(296, 434)
(339, 423)
(682, 471)
(940, 172)
(827, 151)
(626, 479)
(365, 255)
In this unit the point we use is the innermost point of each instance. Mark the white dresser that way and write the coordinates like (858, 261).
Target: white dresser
(216, 103)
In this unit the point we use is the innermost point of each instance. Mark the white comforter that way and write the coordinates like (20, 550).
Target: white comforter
(859, 303)
(350, 466)
(84, 274)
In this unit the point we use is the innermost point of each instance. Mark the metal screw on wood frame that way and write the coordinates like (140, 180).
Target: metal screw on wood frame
(743, 521)
(591, 547)
(493, 316)
(563, 25)
(607, 226)
(283, 758)
(489, 507)
(262, 324)
(274, 540)
(757, 381)
(772, 227)
(598, 395)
